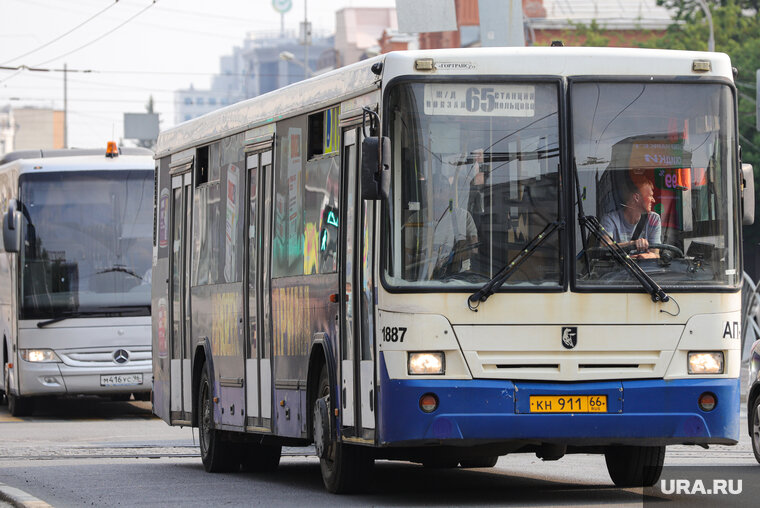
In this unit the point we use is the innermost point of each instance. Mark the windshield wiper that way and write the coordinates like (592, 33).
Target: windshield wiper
(618, 253)
(120, 268)
(107, 311)
(493, 285)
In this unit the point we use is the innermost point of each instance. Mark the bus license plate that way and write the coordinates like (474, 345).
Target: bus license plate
(121, 380)
(568, 403)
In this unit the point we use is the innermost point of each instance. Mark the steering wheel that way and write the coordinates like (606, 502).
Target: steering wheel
(662, 246)
(604, 251)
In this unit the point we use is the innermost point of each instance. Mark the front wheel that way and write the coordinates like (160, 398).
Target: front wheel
(218, 454)
(19, 406)
(345, 468)
(634, 466)
(755, 429)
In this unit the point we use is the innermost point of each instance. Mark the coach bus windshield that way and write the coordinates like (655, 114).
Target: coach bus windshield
(656, 166)
(87, 243)
(475, 177)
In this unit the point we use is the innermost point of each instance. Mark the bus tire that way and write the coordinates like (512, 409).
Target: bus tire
(259, 458)
(489, 461)
(19, 406)
(218, 454)
(345, 468)
(634, 466)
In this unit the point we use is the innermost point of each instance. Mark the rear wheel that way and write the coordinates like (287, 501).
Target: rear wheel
(218, 454)
(634, 466)
(345, 468)
(259, 458)
(755, 429)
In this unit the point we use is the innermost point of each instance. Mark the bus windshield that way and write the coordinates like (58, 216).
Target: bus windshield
(475, 177)
(653, 164)
(87, 243)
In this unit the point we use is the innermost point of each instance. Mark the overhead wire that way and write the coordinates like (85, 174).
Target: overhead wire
(105, 34)
(56, 39)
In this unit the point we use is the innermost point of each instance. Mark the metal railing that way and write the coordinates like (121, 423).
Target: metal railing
(750, 314)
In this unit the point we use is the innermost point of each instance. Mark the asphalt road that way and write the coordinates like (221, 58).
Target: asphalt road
(90, 452)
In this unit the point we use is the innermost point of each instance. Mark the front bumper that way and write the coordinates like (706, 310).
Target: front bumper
(642, 412)
(41, 379)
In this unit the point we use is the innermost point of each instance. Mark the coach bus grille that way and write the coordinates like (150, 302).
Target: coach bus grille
(105, 357)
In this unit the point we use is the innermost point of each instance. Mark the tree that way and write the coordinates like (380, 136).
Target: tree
(737, 33)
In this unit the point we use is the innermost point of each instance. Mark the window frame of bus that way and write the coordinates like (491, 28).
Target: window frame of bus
(572, 229)
(385, 222)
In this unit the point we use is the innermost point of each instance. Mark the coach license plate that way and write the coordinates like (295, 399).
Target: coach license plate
(568, 403)
(121, 380)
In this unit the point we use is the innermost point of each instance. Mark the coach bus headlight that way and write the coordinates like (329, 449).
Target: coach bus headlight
(706, 362)
(426, 363)
(39, 355)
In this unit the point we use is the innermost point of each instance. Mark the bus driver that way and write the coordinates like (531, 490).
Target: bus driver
(634, 223)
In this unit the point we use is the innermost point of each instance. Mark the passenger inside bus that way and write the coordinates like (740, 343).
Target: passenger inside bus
(634, 224)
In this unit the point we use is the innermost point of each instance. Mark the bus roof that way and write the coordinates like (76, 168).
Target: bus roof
(356, 79)
(81, 163)
(67, 152)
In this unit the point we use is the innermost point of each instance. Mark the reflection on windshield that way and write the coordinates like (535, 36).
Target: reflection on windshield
(87, 242)
(475, 177)
(652, 165)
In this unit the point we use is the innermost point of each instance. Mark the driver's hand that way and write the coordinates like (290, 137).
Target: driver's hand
(642, 245)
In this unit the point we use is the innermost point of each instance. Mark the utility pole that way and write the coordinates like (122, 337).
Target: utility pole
(306, 41)
(65, 109)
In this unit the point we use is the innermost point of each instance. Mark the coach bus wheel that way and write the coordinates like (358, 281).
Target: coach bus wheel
(755, 419)
(19, 406)
(259, 458)
(218, 455)
(345, 468)
(634, 466)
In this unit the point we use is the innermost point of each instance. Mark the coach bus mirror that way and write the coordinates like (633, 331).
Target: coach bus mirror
(12, 228)
(748, 194)
(376, 174)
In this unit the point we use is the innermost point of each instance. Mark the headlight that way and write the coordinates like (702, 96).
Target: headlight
(706, 362)
(426, 363)
(39, 355)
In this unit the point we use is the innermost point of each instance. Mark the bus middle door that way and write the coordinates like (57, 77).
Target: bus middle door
(357, 309)
(179, 293)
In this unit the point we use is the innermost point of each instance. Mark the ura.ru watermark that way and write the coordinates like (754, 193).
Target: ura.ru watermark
(714, 487)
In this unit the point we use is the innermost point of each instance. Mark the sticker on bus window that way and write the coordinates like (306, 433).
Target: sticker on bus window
(480, 100)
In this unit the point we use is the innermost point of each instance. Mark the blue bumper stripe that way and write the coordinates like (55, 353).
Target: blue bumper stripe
(653, 411)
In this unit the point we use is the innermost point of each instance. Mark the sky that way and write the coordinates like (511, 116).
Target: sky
(133, 49)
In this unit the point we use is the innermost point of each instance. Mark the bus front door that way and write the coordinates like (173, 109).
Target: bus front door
(357, 323)
(179, 293)
(258, 367)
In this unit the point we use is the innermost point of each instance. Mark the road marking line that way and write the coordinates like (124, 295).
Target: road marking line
(7, 419)
(18, 497)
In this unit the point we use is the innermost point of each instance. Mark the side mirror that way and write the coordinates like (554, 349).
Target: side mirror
(12, 228)
(748, 195)
(376, 173)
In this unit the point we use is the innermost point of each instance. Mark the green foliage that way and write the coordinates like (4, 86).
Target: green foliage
(737, 33)
(593, 34)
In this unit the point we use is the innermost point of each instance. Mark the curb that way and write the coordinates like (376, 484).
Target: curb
(19, 498)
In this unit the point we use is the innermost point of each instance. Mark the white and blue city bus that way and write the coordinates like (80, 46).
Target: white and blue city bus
(448, 256)
(75, 266)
